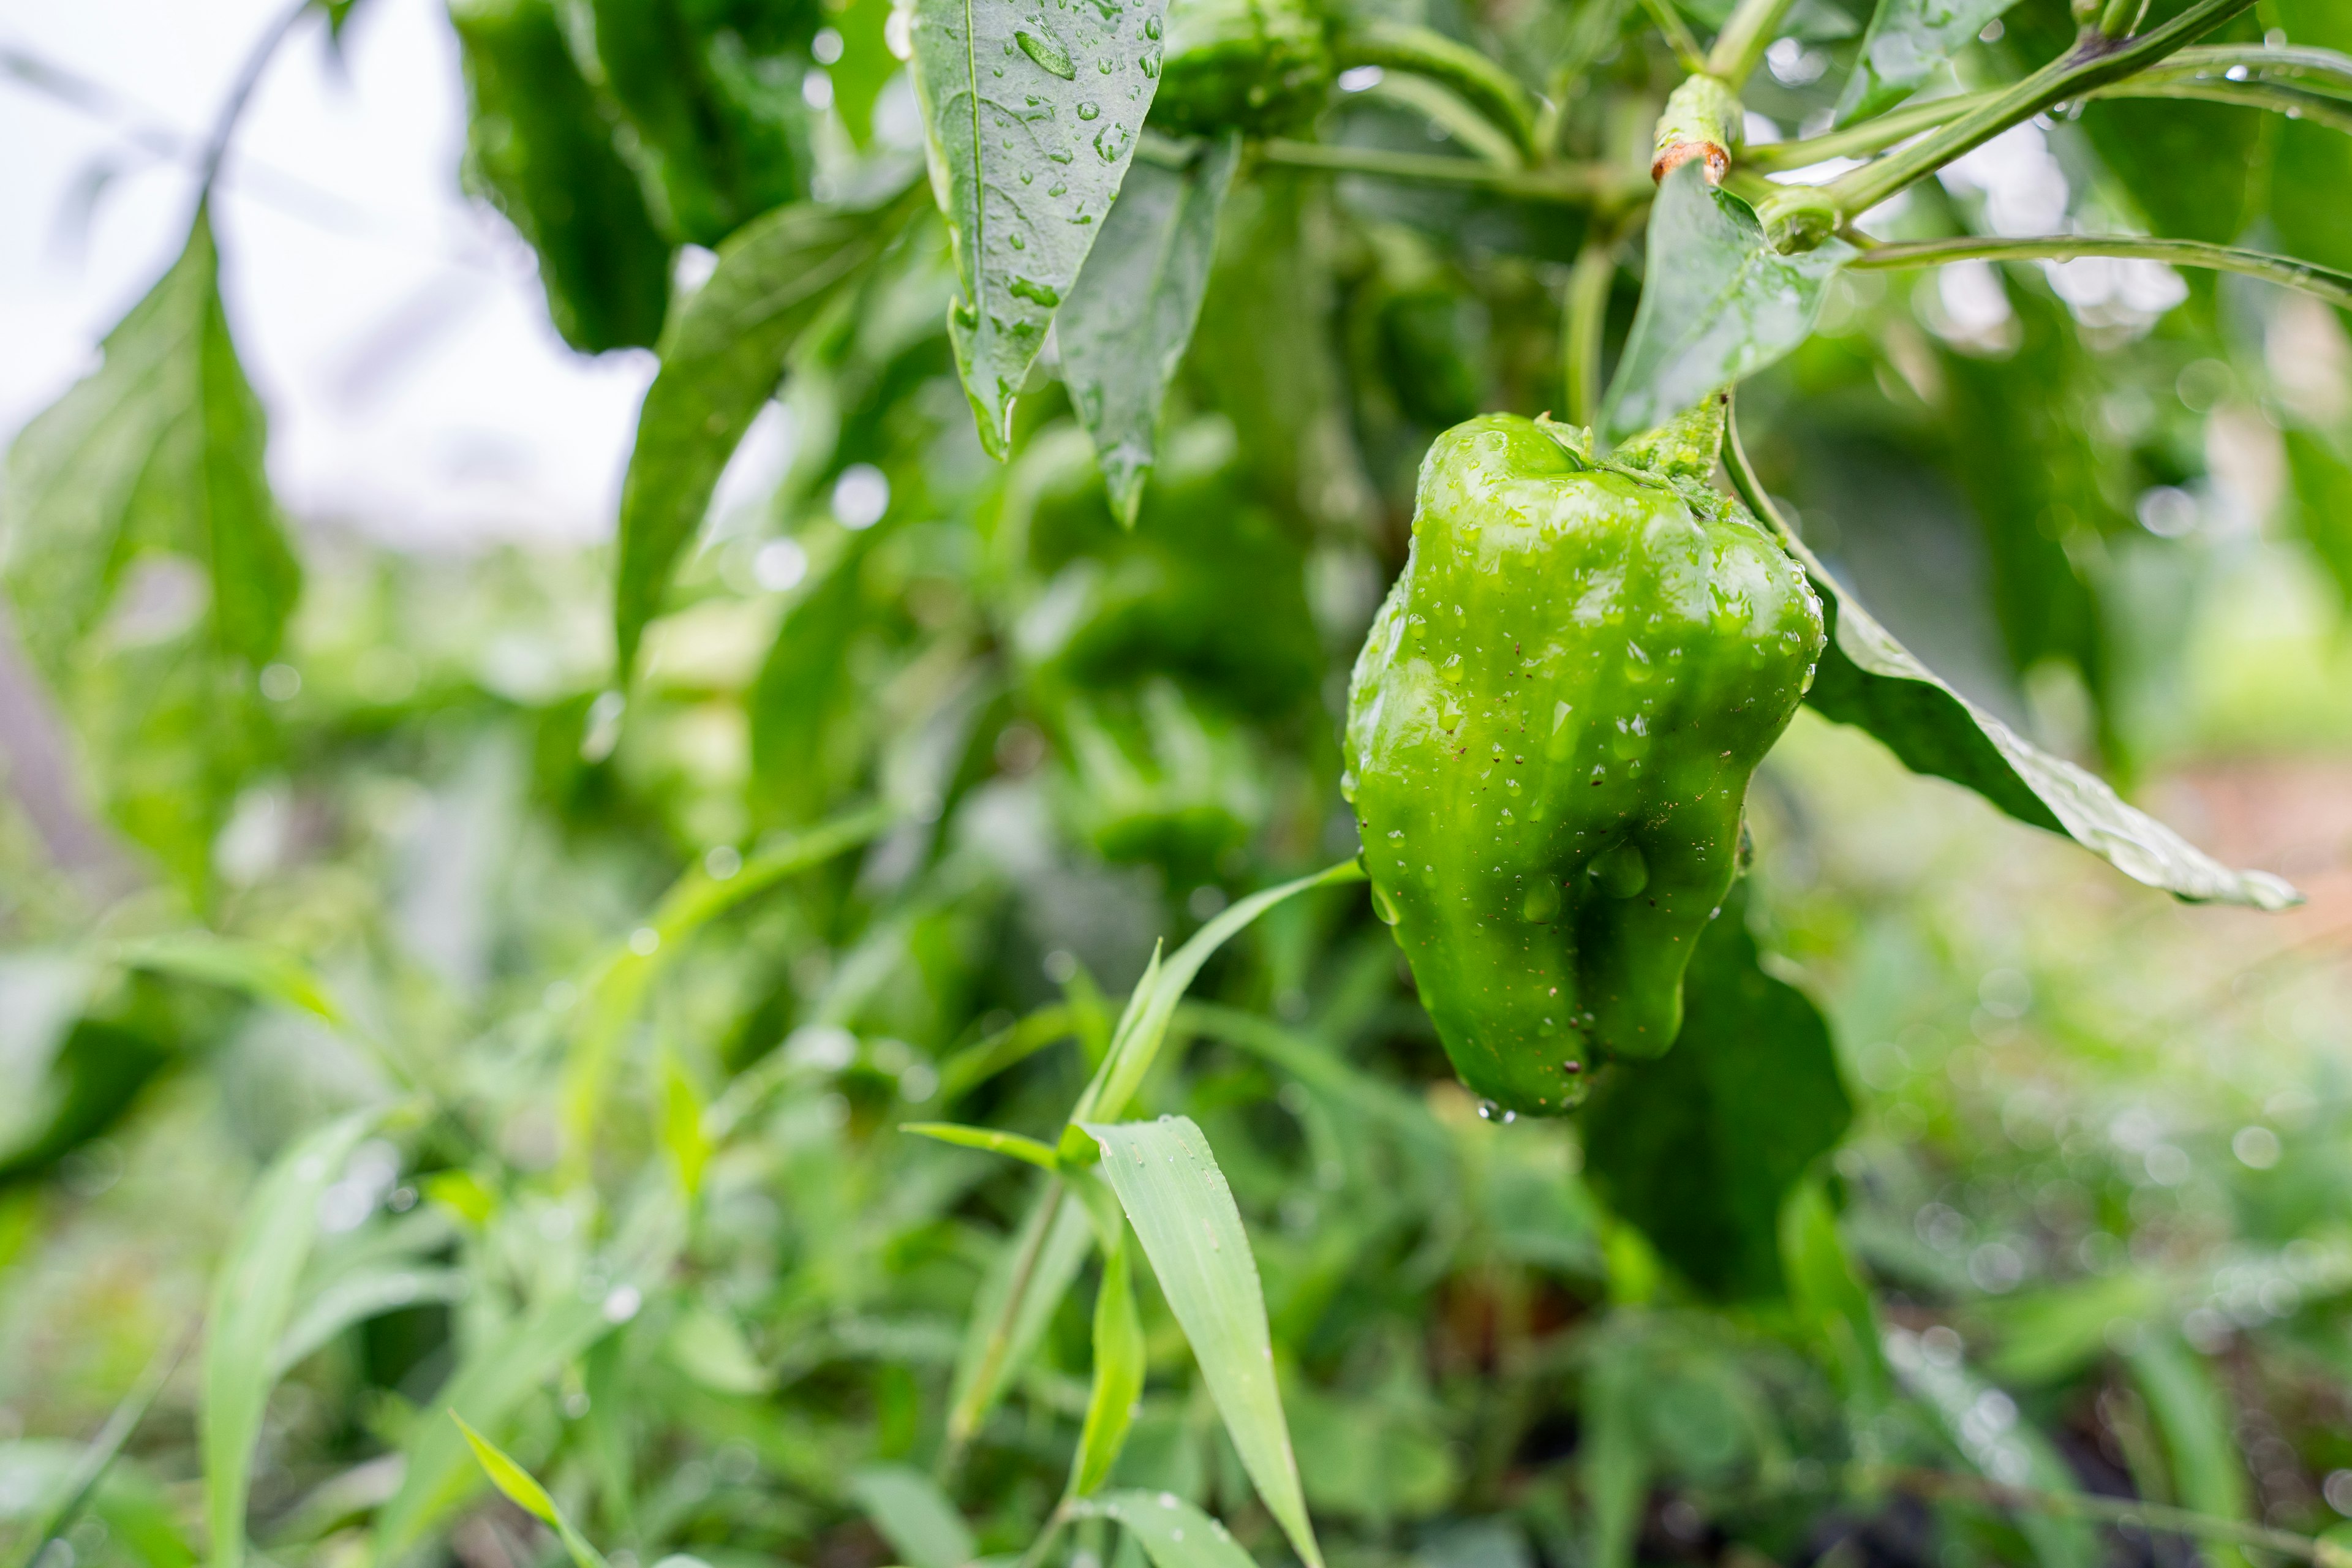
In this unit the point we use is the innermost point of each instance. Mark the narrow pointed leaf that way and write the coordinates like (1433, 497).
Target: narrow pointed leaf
(525, 1492)
(1870, 681)
(253, 1295)
(1183, 1212)
(994, 1139)
(356, 1298)
(264, 974)
(1174, 1533)
(1129, 316)
(2194, 1419)
(1717, 304)
(1118, 1375)
(2010, 1453)
(1907, 40)
(914, 1516)
(722, 356)
(1031, 117)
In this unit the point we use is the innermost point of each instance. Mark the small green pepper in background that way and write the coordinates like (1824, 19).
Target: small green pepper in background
(539, 146)
(1550, 732)
(1263, 66)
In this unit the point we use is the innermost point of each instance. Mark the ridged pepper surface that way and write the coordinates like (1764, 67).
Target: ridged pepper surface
(1550, 732)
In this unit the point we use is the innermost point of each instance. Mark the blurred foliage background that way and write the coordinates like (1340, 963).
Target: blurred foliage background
(645, 1210)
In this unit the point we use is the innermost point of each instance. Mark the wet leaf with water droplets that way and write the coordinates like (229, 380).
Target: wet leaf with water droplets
(990, 130)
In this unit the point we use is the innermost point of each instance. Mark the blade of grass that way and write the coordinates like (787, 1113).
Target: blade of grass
(1119, 1374)
(91, 1467)
(1183, 1213)
(526, 1493)
(914, 1516)
(253, 1295)
(1173, 1533)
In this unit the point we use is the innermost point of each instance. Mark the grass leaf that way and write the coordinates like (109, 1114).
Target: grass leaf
(914, 1516)
(1174, 1533)
(252, 1297)
(1119, 1374)
(1176, 1198)
(991, 1139)
(527, 1494)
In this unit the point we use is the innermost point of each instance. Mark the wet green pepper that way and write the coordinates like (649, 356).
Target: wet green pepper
(539, 146)
(1259, 65)
(1549, 737)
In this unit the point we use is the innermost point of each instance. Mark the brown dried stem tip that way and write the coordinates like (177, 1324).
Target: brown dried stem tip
(1703, 119)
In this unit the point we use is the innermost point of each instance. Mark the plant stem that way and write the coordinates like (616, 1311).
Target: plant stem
(1687, 53)
(962, 1422)
(2200, 71)
(1574, 185)
(1587, 308)
(2324, 282)
(240, 91)
(1744, 37)
(2091, 63)
(1477, 80)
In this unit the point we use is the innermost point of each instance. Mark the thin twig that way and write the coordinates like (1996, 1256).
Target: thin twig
(241, 91)
(1571, 184)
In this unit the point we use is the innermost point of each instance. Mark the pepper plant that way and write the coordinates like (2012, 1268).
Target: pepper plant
(792, 1137)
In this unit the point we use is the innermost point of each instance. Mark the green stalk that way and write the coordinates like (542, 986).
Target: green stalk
(1870, 136)
(1740, 47)
(2324, 282)
(1803, 217)
(1475, 78)
(1587, 308)
(1687, 53)
(1573, 184)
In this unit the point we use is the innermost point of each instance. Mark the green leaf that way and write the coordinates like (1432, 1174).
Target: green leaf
(498, 1371)
(252, 1298)
(354, 1299)
(527, 1494)
(264, 974)
(620, 981)
(1174, 1534)
(1983, 1424)
(708, 1346)
(721, 358)
(2310, 163)
(2193, 1417)
(1613, 1459)
(1829, 1295)
(94, 1076)
(1183, 1212)
(2322, 508)
(1030, 122)
(1717, 304)
(914, 1516)
(152, 459)
(699, 84)
(538, 144)
(1017, 1297)
(1700, 1147)
(1905, 43)
(38, 1480)
(78, 1484)
(994, 1140)
(1868, 680)
(1129, 316)
(1135, 1044)
(1118, 1375)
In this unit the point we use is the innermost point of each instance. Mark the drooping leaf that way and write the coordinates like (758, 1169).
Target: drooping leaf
(710, 92)
(1868, 680)
(1174, 1534)
(539, 145)
(1183, 1215)
(1983, 1424)
(151, 463)
(1129, 316)
(1717, 304)
(722, 356)
(1700, 1147)
(252, 1298)
(264, 974)
(2193, 1418)
(914, 1516)
(1030, 120)
(525, 1492)
(357, 1297)
(1906, 41)
(1118, 1375)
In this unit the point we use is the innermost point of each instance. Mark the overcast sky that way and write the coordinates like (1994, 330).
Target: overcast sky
(394, 331)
